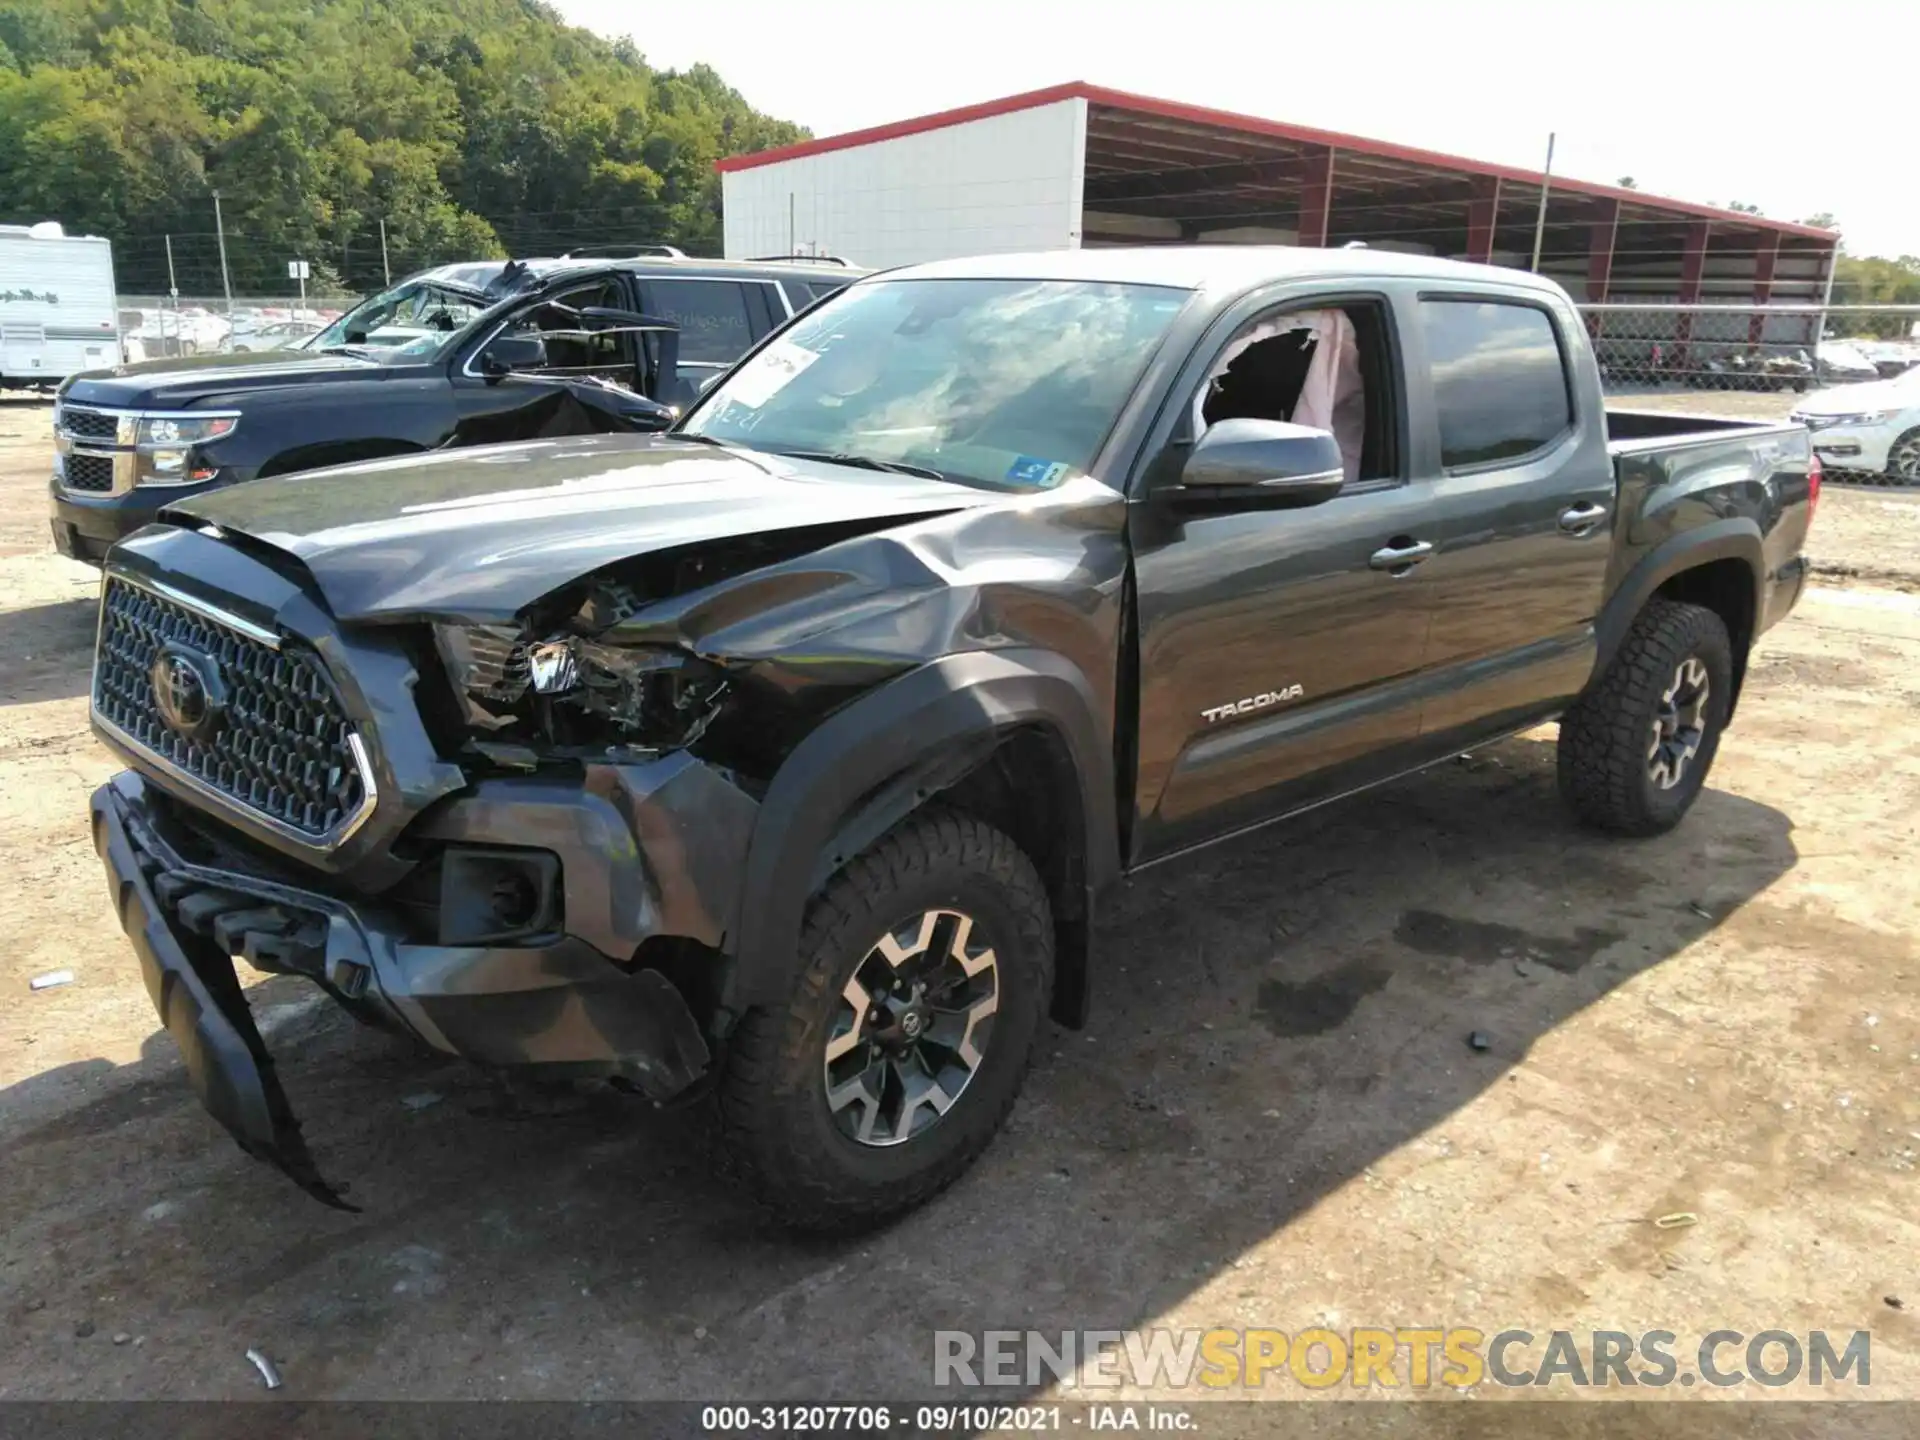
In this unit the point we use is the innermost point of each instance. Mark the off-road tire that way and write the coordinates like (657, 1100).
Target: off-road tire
(1604, 738)
(778, 1137)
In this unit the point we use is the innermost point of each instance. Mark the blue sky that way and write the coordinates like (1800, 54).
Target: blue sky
(1796, 109)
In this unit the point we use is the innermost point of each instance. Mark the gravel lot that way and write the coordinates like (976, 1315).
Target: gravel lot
(1275, 1118)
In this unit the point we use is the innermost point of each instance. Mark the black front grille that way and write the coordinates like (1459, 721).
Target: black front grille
(281, 744)
(88, 424)
(88, 472)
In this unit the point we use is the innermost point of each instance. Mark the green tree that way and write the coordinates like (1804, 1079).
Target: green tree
(1873, 280)
(471, 128)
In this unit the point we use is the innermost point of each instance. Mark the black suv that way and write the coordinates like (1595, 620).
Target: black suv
(468, 354)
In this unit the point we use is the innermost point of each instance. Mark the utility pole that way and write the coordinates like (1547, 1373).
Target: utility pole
(1826, 296)
(386, 270)
(1540, 220)
(226, 283)
(173, 294)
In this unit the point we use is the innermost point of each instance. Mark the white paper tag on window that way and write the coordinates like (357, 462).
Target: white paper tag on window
(769, 372)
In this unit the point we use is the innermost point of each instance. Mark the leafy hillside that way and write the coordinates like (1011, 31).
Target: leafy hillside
(472, 127)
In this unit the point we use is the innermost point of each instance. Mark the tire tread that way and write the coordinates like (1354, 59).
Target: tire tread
(774, 1052)
(1603, 754)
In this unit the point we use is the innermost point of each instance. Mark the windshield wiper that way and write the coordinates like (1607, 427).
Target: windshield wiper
(863, 462)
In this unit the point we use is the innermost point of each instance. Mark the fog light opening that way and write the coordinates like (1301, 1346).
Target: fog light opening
(494, 897)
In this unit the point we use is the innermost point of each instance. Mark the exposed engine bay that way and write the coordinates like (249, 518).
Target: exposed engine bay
(575, 680)
(565, 690)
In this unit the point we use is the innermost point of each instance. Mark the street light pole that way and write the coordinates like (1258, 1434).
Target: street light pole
(173, 294)
(1540, 220)
(1826, 296)
(386, 270)
(226, 283)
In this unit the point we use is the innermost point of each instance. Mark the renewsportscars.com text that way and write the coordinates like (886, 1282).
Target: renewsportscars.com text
(1402, 1357)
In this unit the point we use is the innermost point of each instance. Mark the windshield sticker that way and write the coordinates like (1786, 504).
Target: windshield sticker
(769, 372)
(1041, 474)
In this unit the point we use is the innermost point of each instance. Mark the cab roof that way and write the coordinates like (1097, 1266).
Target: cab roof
(693, 265)
(1212, 267)
(481, 276)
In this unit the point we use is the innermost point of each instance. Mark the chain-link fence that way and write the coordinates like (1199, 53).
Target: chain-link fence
(1787, 358)
(154, 327)
(1778, 348)
(1773, 361)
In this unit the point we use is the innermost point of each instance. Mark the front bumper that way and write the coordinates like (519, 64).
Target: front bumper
(562, 1005)
(1855, 447)
(85, 524)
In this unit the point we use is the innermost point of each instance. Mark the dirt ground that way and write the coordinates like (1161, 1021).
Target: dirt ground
(1275, 1118)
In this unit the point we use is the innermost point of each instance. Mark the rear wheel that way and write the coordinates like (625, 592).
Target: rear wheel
(1636, 748)
(924, 969)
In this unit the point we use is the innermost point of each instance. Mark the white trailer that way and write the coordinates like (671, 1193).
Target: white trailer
(57, 305)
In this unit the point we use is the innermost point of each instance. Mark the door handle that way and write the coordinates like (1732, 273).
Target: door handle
(1580, 519)
(1401, 558)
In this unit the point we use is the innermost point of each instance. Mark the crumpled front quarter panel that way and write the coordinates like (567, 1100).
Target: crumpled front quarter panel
(1044, 571)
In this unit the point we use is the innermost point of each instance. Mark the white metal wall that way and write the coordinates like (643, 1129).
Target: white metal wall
(1007, 182)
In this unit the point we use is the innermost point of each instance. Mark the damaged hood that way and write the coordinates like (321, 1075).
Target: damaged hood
(478, 534)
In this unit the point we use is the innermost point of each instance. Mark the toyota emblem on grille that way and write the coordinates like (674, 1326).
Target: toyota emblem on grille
(187, 691)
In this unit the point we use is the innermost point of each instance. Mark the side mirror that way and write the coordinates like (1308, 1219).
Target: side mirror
(637, 412)
(1264, 462)
(507, 353)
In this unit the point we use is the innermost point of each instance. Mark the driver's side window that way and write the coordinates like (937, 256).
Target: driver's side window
(1325, 367)
(576, 344)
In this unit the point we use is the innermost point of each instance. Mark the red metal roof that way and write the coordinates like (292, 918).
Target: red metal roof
(1148, 105)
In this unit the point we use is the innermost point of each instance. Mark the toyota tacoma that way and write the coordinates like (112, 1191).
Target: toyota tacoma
(781, 762)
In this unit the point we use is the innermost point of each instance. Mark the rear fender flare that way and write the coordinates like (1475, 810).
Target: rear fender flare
(1736, 538)
(875, 761)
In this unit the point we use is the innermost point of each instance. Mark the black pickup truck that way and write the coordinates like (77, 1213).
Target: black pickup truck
(787, 756)
(468, 354)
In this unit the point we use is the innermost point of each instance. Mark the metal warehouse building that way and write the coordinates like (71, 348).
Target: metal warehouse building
(1080, 165)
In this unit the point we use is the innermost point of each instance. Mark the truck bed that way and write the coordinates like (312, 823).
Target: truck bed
(1637, 431)
(1750, 485)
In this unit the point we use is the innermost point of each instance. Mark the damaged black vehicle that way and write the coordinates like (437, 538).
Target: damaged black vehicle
(470, 354)
(783, 759)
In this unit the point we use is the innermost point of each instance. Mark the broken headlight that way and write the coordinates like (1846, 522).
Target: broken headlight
(574, 691)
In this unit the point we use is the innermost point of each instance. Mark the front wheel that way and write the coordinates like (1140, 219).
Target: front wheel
(1636, 748)
(1903, 459)
(923, 971)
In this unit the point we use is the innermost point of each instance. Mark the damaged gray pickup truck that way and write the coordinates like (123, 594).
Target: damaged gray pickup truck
(782, 761)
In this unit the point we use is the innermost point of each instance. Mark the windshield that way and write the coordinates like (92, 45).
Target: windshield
(1005, 384)
(413, 320)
